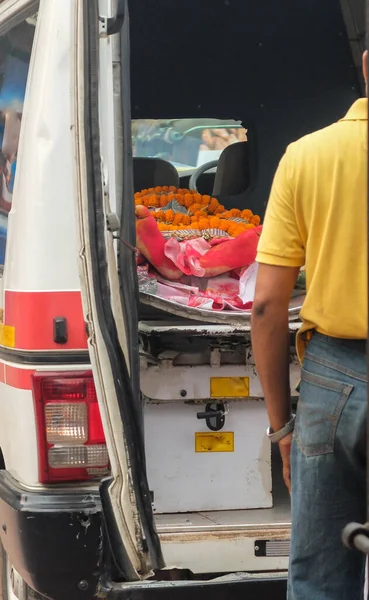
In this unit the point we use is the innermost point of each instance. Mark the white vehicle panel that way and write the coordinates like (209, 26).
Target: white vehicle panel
(183, 480)
(227, 552)
(166, 382)
(43, 211)
(18, 434)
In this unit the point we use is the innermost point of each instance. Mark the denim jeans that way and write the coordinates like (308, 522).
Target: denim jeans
(328, 472)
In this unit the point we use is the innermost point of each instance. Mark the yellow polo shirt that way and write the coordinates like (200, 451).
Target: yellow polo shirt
(317, 217)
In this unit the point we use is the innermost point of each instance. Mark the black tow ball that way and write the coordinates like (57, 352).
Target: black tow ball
(356, 537)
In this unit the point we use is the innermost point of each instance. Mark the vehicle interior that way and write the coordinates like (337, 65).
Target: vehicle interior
(275, 78)
(265, 71)
(275, 75)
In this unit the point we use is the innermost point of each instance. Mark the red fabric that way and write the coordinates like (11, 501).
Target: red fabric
(222, 257)
(235, 253)
(151, 244)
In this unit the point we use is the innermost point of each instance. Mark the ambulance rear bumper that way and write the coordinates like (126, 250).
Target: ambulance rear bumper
(266, 586)
(52, 538)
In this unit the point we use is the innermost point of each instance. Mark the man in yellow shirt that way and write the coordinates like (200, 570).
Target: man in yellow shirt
(317, 217)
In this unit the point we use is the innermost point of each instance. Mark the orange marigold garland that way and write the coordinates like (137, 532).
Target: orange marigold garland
(200, 212)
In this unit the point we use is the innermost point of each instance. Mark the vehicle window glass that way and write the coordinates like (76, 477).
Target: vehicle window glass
(15, 54)
(186, 143)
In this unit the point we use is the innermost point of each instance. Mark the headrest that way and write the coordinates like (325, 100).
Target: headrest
(152, 172)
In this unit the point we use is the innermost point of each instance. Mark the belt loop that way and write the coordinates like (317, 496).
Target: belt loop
(307, 335)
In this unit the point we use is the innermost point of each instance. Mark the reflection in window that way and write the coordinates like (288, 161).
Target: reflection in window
(186, 143)
(15, 51)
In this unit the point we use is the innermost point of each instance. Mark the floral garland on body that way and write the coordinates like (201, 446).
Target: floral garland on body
(200, 212)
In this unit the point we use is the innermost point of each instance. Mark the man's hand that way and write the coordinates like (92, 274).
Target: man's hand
(285, 450)
(220, 138)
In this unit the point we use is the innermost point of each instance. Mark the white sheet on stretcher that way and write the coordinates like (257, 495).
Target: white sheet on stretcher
(218, 293)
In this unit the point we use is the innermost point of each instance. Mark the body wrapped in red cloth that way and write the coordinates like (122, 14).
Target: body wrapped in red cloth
(225, 255)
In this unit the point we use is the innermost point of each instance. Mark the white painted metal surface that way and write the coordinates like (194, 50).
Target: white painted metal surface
(18, 434)
(107, 116)
(165, 382)
(224, 541)
(226, 552)
(42, 238)
(41, 247)
(183, 480)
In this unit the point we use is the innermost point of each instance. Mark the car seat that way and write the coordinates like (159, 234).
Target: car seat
(152, 172)
(234, 177)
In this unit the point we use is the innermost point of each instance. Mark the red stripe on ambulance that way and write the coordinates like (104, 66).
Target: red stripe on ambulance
(18, 378)
(32, 315)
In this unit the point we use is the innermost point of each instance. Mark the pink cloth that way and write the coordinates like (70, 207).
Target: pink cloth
(185, 255)
(225, 292)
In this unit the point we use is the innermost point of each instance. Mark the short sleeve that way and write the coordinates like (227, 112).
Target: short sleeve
(280, 242)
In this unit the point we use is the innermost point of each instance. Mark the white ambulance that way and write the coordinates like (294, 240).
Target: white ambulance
(173, 491)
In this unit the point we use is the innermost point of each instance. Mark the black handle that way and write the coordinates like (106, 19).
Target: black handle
(209, 414)
(213, 415)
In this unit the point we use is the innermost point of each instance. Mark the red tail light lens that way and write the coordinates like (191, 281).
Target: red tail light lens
(71, 441)
(61, 389)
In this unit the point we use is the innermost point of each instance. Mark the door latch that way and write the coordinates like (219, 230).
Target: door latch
(214, 415)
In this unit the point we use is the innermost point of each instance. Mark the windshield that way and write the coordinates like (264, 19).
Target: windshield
(185, 142)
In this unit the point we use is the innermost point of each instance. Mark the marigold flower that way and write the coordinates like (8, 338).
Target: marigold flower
(203, 211)
(188, 200)
(178, 219)
(214, 222)
(195, 208)
(203, 224)
(169, 216)
(223, 224)
(213, 205)
(246, 214)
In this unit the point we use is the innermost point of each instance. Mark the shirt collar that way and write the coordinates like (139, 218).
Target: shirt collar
(358, 111)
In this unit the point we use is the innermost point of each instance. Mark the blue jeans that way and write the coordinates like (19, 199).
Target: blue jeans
(328, 472)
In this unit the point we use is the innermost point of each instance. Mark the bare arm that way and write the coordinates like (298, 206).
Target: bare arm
(270, 338)
(281, 244)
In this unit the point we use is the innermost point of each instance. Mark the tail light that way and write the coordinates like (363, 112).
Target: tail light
(71, 441)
